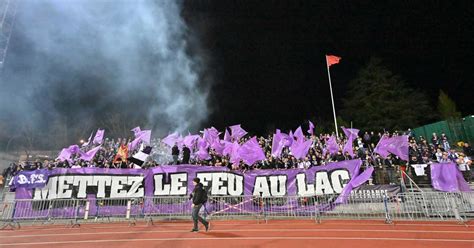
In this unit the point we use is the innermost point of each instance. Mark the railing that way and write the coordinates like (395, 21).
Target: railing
(405, 206)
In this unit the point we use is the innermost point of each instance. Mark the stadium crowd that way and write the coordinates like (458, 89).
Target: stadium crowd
(387, 170)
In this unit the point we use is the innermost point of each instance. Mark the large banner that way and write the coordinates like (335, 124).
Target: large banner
(89, 183)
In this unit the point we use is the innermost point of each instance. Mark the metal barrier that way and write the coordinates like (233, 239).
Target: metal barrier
(405, 206)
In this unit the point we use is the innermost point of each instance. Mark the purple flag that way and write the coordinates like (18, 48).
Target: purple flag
(311, 128)
(171, 139)
(299, 134)
(203, 154)
(447, 177)
(88, 140)
(180, 142)
(251, 152)
(399, 146)
(190, 140)
(288, 140)
(99, 137)
(331, 145)
(136, 131)
(278, 143)
(134, 144)
(88, 156)
(237, 132)
(299, 149)
(382, 146)
(218, 146)
(201, 143)
(65, 154)
(73, 149)
(227, 135)
(351, 134)
(231, 149)
(145, 136)
(354, 183)
(210, 135)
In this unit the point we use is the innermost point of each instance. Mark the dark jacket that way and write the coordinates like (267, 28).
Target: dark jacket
(199, 195)
(186, 155)
(175, 151)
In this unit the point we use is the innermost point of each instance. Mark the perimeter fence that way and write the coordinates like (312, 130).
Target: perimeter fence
(424, 206)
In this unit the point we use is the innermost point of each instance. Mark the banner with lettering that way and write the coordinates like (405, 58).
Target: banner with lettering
(145, 186)
(177, 181)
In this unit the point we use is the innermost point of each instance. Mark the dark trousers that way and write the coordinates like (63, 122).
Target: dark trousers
(197, 218)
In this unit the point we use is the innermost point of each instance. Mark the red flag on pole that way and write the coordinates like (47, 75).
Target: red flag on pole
(331, 60)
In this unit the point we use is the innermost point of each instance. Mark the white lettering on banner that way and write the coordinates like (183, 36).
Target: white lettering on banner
(222, 183)
(205, 178)
(337, 179)
(76, 186)
(177, 185)
(101, 182)
(278, 185)
(161, 188)
(47, 192)
(64, 186)
(116, 190)
(34, 179)
(136, 189)
(323, 184)
(303, 188)
(218, 180)
(82, 182)
(274, 185)
(235, 184)
(261, 187)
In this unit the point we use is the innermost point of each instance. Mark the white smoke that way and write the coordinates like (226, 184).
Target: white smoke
(84, 59)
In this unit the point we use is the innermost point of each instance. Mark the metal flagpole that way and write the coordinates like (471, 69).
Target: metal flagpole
(332, 98)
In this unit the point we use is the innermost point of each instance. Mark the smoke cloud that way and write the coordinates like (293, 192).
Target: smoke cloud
(76, 65)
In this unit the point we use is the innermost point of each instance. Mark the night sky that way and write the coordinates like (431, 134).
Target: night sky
(268, 64)
(265, 61)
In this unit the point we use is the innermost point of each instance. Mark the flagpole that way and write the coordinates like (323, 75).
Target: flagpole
(332, 98)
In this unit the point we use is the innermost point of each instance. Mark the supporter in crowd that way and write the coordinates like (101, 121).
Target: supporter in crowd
(468, 151)
(464, 165)
(175, 153)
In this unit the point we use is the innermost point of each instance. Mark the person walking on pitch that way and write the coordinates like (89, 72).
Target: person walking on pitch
(199, 198)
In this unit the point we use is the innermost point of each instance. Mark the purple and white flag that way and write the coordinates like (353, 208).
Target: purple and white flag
(447, 177)
(299, 149)
(190, 141)
(398, 145)
(136, 131)
(251, 152)
(331, 145)
(382, 146)
(351, 134)
(227, 136)
(311, 128)
(88, 140)
(237, 132)
(278, 143)
(171, 139)
(99, 137)
(89, 155)
(299, 134)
